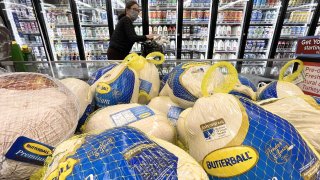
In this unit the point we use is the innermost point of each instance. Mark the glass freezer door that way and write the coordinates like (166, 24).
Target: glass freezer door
(118, 7)
(60, 27)
(25, 27)
(94, 28)
(229, 29)
(296, 24)
(196, 15)
(317, 33)
(162, 20)
(261, 30)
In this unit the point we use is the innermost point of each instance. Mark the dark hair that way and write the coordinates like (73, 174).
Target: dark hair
(128, 6)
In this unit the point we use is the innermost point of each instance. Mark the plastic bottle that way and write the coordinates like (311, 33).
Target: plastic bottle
(220, 45)
(165, 30)
(229, 31)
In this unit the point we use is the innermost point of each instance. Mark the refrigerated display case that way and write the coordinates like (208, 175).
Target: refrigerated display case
(163, 21)
(24, 26)
(296, 24)
(229, 28)
(94, 28)
(196, 16)
(317, 33)
(260, 34)
(118, 7)
(60, 27)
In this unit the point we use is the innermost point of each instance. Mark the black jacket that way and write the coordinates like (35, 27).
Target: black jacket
(124, 36)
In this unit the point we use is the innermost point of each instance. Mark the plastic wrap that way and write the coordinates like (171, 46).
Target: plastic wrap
(149, 78)
(120, 85)
(232, 137)
(142, 117)
(37, 107)
(167, 107)
(303, 112)
(120, 153)
(84, 96)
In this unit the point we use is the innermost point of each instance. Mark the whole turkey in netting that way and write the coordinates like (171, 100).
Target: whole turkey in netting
(148, 120)
(120, 153)
(37, 107)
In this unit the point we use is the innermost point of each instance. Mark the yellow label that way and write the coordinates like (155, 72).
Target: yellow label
(103, 88)
(192, 64)
(230, 161)
(144, 115)
(37, 149)
(63, 170)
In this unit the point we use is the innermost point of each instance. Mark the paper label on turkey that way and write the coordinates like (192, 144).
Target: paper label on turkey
(131, 115)
(173, 113)
(216, 129)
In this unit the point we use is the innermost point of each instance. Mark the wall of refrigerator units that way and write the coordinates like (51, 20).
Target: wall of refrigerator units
(67, 20)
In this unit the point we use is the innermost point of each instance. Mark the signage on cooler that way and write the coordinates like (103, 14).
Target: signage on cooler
(311, 82)
(308, 47)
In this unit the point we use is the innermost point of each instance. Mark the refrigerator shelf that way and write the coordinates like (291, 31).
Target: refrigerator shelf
(196, 8)
(27, 33)
(227, 37)
(161, 23)
(66, 39)
(256, 64)
(230, 8)
(192, 37)
(35, 45)
(95, 39)
(61, 25)
(266, 8)
(296, 24)
(26, 20)
(285, 51)
(222, 51)
(162, 8)
(306, 8)
(92, 8)
(193, 50)
(259, 38)
(196, 23)
(94, 25)
(290, 37)
(252, 23)
(229, 23)
(257, 51)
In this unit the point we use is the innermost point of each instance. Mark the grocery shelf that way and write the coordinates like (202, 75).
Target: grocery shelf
(159, 8)
(266, 7)
(92, 8)
(227, 37)
(306, 7)
(62, 25)
(95, 25)
(162, 23)
(228, 23)
(192, 50)
(230, 8)
(261, 23)
(27, 33)
(196, 23)
(259, 38)
(65, 39)
(95, 39)
(295, 24)
(255, 51)
(35, 45)
(196, 8)
(285, 51)
(290, 37)
(222, 51)
(27, 19)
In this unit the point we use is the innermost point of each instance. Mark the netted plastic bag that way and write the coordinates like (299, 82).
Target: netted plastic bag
(120, 153)
(149, 77)
(142, 117)
(184, 83)
(35, 109)
(239, 139)
(82, 91)
(100, 72)
(120, 85)
(284, 86)
(182, 136)
(167, 107)
(303, 112)
(163, 82)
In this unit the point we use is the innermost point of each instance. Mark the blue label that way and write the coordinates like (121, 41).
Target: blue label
(97, 75)
(317, 99)
(177, 88)
(269, 92)
(122, 152)
(120, 90)
(245, 81)
(131, 115)
(283, 154)
(145, 86)
(173, 113)
(29, 151)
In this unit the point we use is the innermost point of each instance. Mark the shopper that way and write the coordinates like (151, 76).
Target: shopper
(124, 36)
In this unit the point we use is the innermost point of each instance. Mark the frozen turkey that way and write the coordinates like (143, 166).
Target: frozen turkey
(146, 119)
(82, 91)
(121, 153)
(100, 72)
(165, 105)
(278, 89)
(184, 83)
(182, 136)
(244, 88)
(239, 139)
(303, 112)
(120, 85)
(37, 107)
(149, 78)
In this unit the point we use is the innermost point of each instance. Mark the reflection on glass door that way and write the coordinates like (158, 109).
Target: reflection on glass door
(118, 7)
(196, 15)
(162, 20)
(24, 25)
(229, 29)
(94, 28)
(60, 27)
(261, 30)
(317, 33)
